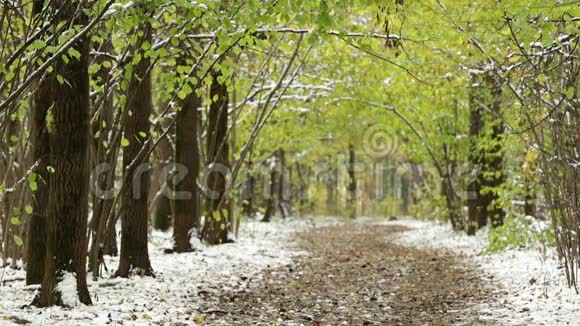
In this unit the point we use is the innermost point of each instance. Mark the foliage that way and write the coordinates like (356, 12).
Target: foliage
(520, 233)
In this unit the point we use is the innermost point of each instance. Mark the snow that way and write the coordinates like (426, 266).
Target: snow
(173, 296)
(68, 289)
(529, 287)
(532, 286)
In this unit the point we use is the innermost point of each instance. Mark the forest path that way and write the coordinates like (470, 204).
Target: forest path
(355, 274)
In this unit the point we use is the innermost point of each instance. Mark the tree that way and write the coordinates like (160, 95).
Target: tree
(186, 155)
(486, 155)
(68, 132)
(134, 194)
(215, 229)
(351, 188)
(36, 248)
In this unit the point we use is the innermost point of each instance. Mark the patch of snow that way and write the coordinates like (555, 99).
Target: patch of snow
(68, 290)
(532, 286)
(173, 296)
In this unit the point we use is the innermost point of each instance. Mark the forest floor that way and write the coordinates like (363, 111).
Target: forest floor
(355, 274)
(322, 271)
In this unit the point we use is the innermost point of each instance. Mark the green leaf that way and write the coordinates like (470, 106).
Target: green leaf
(9, 76)
(124, 142)
(60, 79)
(570, 93)
(18, 241)
(32, 181)
(146, 46)
(14, 220)
(74, 53)
(542, 78)
(28, 209)
(50, 169)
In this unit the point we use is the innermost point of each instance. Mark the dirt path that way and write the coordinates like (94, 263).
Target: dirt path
(355, 275)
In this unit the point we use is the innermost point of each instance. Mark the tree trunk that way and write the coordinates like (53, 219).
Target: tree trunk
(36, 242)
(186, 155)
(475, 214)
(271, 201)
(36, 238)
(248, 193)
(494, 173)
(69, 183)
(104, 159)
(351, 188)
(215, 229)
(162, 210)
(487, 158)
(134, 195)
(282, 183)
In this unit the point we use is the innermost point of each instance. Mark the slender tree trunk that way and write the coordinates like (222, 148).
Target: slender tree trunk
(248, 193)
(215, 229)
(303, 186)
(134, 195)
(351, 188)
(281, 183)
(162, 209)
(69, 184)
(271, 201)
(36, 238)
(104, 162)
(186, 155)
(494, 175)
(40, 154)
(485, 102)
(10, 230)
(405, 193)
(475, 214)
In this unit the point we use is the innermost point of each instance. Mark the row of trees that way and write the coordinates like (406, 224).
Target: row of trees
(150, 113)
(79, 80)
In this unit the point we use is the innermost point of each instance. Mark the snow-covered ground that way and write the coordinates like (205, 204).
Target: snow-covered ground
(173, 296)
(534, 289)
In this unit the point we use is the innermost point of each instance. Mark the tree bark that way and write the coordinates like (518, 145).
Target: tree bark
(162, 209)
(351, 188)
(36, 240)
(485, 158)
(69, 184)
(104, 182)
(215, 229)
(36, 246)
(187, 155)
(134, 195)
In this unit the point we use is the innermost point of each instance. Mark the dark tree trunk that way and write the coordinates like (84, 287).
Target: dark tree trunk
(248, 194)
(162, 209)
(134, 195)
(103, 161)
(494, 174)
(186, 155)
(405, 193)
(487, 160)
(282, 183)
(351, 188)
(36, 240)
(271, 201)
(69, 184)
(215, 229)
(40, 155)
(303, 186)
(475, 214)
(331, 185)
